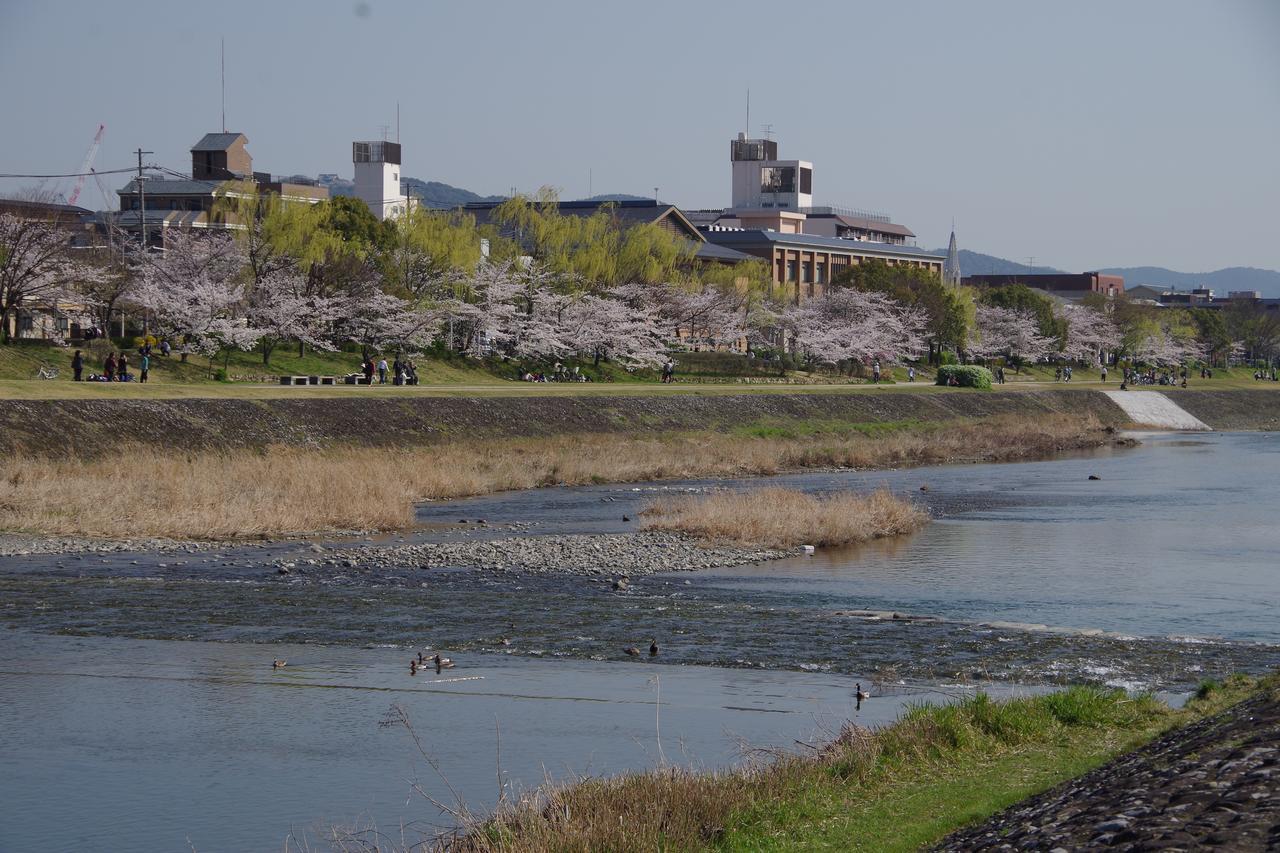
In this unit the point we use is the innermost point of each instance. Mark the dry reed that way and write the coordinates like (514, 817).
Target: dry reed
(780, 518)
(218, 494)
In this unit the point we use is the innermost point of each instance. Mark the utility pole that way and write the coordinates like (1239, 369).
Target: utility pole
(142, 200)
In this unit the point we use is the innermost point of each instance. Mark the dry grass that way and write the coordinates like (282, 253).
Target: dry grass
(214, 495)
(779, 518)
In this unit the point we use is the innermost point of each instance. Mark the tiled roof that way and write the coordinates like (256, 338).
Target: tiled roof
(216, 141)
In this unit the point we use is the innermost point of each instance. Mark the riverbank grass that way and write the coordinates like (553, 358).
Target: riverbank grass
(140, 491)
(784, 518)
(937, 769)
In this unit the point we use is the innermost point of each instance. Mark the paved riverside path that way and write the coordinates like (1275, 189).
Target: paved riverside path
(1212, 785)
(1153, 409)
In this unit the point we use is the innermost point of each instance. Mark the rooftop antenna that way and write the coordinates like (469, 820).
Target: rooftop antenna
(386, 129)
(591, 191)
(768, 131)
(224, 84)
(397, 122)
(748, 111)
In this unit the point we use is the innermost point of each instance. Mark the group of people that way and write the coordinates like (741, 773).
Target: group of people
(559, 373)
(1260, 375)
(115, 368)
(402, 372)
(1064, 373)
(1151, 376)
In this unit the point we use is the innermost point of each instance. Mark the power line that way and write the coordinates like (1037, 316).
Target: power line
(72, 174)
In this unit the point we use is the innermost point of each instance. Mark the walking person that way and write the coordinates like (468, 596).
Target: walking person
(367, 368)
(875, 371)
(109, 367)
(144, 367)
(77, 365)
(382, 371)
(1104, 374)
(911, 374)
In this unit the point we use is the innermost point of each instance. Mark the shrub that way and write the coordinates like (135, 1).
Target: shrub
(947, 357)
(968, 375)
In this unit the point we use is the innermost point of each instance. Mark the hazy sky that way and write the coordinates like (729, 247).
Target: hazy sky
(1085, 134)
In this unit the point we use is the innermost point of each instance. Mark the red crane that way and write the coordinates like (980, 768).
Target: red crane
(87, 167)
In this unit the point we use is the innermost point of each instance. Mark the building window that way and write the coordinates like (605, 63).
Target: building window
(804, 272)
(806, 180)
(820, 273)
(791, 270)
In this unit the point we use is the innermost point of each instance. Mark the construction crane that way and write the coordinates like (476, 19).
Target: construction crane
(87, 167)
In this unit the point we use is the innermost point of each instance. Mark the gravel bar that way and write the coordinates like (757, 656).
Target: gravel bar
(624, 554)
(1212, 785)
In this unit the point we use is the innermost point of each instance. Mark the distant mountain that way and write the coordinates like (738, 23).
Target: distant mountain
(1221, 281)
(440, 195)
(615, 197)
(976, 263)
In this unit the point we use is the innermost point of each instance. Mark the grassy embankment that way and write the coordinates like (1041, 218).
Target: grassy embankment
(901, 787)
(281, 491)
(781, 518)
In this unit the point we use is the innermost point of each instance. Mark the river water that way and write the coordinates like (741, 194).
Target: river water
(138, 707)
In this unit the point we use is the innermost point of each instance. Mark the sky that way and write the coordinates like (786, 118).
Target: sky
(1083, 135)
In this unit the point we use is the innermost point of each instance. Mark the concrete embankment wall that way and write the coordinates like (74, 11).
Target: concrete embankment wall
(94, 427)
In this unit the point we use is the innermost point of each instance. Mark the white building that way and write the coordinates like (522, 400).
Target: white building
(377, 179)
(761, 180)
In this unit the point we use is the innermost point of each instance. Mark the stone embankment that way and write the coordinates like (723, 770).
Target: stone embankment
(606, 555)
(1212, 785)
(85, 428)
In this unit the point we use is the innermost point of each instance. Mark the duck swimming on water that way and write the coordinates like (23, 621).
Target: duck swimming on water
(633, 651)
(442, 663)
(653, 647)
(277, 664)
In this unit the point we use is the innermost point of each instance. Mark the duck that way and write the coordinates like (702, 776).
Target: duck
(633, 651)
(653, 647)
(277, 664)
(503, 641)
(413, 667)
(442, 663)
(859, 694)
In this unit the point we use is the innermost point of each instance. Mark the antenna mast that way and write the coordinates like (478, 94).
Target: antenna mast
(223, 53)
(748, 112)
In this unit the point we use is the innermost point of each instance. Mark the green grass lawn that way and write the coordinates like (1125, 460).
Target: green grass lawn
(458, 376)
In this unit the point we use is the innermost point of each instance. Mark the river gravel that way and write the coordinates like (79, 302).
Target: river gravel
(620, 555)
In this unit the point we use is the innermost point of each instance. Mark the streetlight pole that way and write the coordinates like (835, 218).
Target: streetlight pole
(142, 200)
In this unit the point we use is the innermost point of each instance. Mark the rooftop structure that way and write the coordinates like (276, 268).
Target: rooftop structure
(951, 269)
(377, 178)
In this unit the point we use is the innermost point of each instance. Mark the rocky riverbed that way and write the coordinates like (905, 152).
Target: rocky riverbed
(1212, 785)
(619, 555)
(21, 545)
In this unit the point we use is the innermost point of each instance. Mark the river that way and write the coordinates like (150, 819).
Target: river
(138, 707)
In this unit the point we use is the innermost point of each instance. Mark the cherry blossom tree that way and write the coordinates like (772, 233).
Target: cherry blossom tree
(1090, 333)
(709, 317)
(195, 292)
(36, 266)
(848, 325)
(1008, 331)
(380, 321)
(281, 309)
(597, 327)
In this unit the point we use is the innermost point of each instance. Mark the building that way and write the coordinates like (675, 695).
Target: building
(773, 218)
(220, 164)
(54, 317)
(1069, 286)
(377, 178)
(804, 264)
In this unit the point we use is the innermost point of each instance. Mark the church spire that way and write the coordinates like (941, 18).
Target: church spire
(951, 267)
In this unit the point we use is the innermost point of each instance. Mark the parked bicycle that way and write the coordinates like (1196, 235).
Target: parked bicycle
(47, 373)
